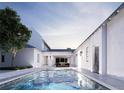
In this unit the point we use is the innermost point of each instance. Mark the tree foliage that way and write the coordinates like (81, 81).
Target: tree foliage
(13, 34)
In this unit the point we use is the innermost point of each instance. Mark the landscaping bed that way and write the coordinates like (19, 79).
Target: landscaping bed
(14, 68)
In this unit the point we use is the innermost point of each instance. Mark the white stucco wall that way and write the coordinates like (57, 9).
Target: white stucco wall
(25, 57)
(7, 62)
(115, 45)
(93, 41)
(84, 64)
(29, 57)
(38, 62)
(73, 62)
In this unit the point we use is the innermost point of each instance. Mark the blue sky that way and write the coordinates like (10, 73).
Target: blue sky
(63, 25)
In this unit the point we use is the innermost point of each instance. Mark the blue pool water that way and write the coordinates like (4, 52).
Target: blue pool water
(53, 80)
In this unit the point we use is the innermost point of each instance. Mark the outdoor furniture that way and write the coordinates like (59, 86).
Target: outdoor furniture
(62, 64)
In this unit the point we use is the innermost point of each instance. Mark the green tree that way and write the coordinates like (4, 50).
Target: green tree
(13, 34)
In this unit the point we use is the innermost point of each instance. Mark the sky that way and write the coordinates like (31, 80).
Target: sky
(63, 25)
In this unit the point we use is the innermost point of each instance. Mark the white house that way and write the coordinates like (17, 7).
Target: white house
(103, 51)
(37, 54)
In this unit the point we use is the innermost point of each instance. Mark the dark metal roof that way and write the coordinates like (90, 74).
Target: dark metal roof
(47, 45)
(62, 50)
(29, 46)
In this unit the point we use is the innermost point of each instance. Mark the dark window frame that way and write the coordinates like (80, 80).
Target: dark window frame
(65, 60)
(57, 59)
(62, 60)
(2, 58)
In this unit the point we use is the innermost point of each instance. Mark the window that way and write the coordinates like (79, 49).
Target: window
(2, 58)
(57, 59)
(86, 54)
(62, 59)
(65, 60)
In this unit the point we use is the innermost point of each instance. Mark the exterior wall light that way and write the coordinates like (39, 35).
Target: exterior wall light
(118, 11)
(110, 19)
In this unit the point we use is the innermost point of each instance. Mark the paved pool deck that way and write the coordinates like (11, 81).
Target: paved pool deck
(108, 81)
(105, 80)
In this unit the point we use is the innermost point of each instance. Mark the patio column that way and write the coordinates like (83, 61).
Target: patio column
(49, 60)
(68, 60)
(52, 60)
(103, 51)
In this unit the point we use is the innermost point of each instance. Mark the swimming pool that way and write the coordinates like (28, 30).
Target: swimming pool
(53, 80)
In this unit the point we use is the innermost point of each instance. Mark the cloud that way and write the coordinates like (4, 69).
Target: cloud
(63, 25)
(83, 20)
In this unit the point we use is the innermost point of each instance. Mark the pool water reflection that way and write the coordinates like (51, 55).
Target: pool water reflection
(53, 80)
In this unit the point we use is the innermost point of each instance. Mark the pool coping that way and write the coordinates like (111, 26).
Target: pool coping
(110, 82)
(9, 79)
